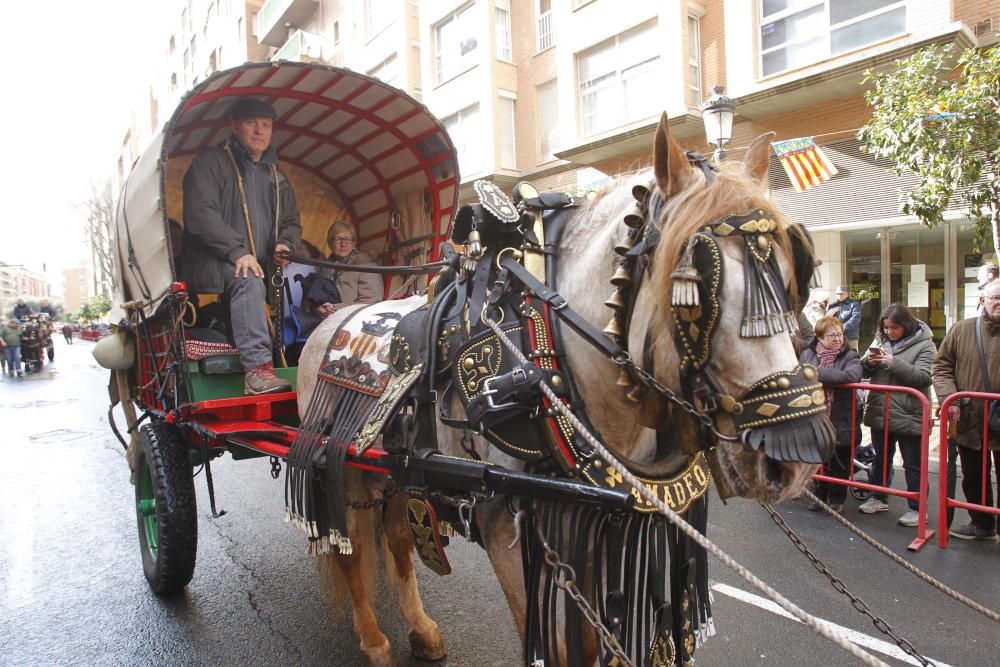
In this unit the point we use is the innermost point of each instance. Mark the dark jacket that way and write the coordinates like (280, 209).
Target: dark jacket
(911, 367)
(956, 368)
(214, 229)
(22, 312)
(849, 312)
(846, 369)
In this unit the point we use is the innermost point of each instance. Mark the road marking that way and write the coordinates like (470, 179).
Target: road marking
(858, 638)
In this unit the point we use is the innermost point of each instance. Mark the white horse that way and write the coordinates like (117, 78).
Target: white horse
(586, 260)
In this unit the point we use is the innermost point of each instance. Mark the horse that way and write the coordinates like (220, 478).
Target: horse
(764, 464)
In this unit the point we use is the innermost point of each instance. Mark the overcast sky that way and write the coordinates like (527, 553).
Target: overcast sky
(72, 72)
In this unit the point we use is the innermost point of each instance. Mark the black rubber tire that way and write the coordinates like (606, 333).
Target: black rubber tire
(169, 564)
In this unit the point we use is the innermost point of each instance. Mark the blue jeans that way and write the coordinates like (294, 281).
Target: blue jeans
(909, 445)
(248, 319)
(13, 354)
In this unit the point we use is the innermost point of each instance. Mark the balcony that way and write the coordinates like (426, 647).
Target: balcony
(300, 47)
(273, 16)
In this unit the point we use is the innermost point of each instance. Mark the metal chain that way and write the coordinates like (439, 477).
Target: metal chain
(647, 379)
(818, 625)
(880, 624)
(564, 577)
(387, 493)
(910, 567)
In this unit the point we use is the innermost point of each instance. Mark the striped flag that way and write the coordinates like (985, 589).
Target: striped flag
(804, 162)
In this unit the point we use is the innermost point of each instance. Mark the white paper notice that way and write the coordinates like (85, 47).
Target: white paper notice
(918, 273)
(918, 294)
(971, 272)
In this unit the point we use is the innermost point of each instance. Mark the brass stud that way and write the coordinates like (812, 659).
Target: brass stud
(621, 278)
(597, 463)
(557, 381)
(763, 242)
(784, 383)
(468, 363)
(809, 373)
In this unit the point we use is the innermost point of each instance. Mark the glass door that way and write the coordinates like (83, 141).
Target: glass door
(863, 271)
(917, 273)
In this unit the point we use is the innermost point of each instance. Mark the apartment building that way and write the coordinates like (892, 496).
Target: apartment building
(20, 282)
(566, 93)
(76, 288)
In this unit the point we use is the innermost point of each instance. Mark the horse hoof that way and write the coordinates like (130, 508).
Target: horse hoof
(379, 656)
(428, 645)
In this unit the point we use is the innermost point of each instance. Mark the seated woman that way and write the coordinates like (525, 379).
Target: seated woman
(331, 289)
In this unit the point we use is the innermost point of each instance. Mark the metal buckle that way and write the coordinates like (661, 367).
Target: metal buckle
(488, 391)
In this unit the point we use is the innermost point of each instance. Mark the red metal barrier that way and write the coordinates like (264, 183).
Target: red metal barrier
(944, 502)
(923, 532)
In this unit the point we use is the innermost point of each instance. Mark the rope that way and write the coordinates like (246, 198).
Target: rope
(818, 625)
(899, 560)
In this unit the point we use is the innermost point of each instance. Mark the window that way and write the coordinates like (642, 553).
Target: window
(387, 70)
(795, 33)
(466, 133)
(694, 60)
(618, 79)
(545, 32)
(173, 82)
(336, 33)
(503, 31)
(173, 44)
(239, 29)
(548, 120)
(455, 44)
(377, 16)
(506, 132)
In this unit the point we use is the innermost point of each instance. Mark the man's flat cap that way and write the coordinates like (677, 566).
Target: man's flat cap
(249, 107)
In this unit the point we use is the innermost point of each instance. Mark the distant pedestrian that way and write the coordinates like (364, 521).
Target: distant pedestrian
(957, 368)
(11, 335)
(901, 355)
(22, 311)
(67, 332)
(837, 364)
(849, 312)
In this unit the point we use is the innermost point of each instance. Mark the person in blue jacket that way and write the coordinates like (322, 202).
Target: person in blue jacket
(849, 312)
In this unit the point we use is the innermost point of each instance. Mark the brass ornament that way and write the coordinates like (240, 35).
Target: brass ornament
(635, 394)
(614, 328)
(818, 397)
(557, 381)
(623, 246)
(801, 401)
(616, 300)
(624, 379)
(809, 373)
(635, 217)
(768, 409)
(784, 383)
(621, 278)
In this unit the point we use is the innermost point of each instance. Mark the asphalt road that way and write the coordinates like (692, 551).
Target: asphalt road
(72, 590)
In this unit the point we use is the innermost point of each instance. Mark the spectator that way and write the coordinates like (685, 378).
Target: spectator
(46, 307)
(849, 312)
(67, 332)
(815, 309)
(837, 364)
(957, 368)
(987, 273)
(11, 335)
(22, 311)
(332, 288)
(901, 355)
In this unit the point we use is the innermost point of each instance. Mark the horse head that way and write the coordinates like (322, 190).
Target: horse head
(735, 272)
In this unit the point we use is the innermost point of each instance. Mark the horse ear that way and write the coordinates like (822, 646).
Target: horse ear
(670, 164)
(758, 157)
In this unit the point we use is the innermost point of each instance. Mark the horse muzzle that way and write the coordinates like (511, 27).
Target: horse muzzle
(785, 414)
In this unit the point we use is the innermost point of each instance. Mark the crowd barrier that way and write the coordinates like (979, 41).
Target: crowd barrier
(924, 534)
(944, 502)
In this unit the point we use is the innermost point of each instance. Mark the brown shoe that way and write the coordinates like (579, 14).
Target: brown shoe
(262, 380)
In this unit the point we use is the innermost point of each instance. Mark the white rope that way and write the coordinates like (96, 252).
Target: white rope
(821, 627)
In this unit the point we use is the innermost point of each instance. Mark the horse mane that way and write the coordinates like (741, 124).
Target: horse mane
(733, 192)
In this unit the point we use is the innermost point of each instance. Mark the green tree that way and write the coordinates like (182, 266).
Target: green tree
(100, 306)
(939, 119)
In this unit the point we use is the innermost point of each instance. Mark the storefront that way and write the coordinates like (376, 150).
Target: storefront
(884, 258)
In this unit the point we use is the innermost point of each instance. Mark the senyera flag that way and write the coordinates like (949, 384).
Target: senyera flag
(804, 162)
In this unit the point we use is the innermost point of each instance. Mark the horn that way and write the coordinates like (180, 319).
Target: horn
(614, 328)
(624, 379)
(621, 277)
(635, 217)
(617, 300)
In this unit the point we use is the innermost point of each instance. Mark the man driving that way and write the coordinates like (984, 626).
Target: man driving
(239, 211)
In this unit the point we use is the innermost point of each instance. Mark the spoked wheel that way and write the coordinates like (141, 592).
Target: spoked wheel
(860, 494)
(166, 508)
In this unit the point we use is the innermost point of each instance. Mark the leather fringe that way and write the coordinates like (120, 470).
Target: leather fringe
(796, 440)
(765, 304)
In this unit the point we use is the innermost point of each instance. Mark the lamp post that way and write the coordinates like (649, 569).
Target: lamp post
(717, 113)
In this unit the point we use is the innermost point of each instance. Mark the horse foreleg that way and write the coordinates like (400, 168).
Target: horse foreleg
(426, 641)
(374, 645)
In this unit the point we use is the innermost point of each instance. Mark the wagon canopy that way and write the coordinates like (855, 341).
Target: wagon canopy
(352, 146)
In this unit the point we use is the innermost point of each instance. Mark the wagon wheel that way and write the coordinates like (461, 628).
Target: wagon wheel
(166, 508)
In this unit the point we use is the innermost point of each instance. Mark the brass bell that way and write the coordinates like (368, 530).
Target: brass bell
(475, 247)
(641, 191)
(625, 244)
(621, 277)
(624, 379)
(635, 217)
(616, 300)
(614, 328)
(635, 395)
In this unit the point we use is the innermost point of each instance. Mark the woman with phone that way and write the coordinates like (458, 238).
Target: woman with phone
(901, 355)
(838, 363)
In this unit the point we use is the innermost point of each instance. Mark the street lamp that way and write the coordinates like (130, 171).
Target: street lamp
(717, 113)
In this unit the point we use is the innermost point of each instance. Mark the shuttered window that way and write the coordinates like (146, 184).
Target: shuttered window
(548, 120)
(505, 129)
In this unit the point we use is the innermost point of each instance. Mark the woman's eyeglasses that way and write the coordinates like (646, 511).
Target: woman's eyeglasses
(833, 336)
(343, 239)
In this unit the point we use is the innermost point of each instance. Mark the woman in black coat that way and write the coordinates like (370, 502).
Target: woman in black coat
(838, 363)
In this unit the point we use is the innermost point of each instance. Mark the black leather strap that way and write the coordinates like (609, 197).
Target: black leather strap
(559, 305)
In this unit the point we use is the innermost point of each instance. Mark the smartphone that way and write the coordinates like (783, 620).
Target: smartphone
(875, 351)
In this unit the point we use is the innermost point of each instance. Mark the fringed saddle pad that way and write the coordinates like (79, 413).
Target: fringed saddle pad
(354, 374)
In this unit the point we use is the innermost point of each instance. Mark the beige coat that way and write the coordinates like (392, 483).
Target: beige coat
(354, 286)
(956, 368)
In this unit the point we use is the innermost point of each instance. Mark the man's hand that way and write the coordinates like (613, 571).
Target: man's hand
(246, 265)
(954, 412)
(326, 309)
(281, 261)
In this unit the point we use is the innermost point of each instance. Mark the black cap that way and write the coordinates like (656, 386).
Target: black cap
(249, 107)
